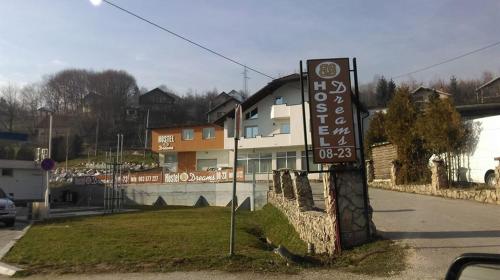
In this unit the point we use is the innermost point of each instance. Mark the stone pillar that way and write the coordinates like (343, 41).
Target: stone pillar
(497, 174)
(439, 179)
(353, 217)
(286, 184)
(276, 181)
(395, 173)
(370, 172)
(303, 191)
(331, 211)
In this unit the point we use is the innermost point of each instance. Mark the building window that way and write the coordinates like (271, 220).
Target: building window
(312, 166)
(251, 131)
(205, 164)
(170, 162)
(285, 128)
(279, 100)
(208, 133)
(7, 172)
(286, 160)
(258, 162)
(220, 114)
(254, 114)
(187, 134)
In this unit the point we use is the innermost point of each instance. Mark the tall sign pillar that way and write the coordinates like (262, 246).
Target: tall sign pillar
(336, 141)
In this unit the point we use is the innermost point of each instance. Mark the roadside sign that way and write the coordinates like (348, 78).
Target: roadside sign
(48, 164)
(330, 104)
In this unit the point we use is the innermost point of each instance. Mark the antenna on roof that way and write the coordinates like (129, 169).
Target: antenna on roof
(245, 80)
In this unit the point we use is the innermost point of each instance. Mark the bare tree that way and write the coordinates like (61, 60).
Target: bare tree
(31, 99)
(10, 105)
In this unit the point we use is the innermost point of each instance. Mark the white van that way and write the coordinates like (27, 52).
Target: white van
(22, 180)
(478, 165)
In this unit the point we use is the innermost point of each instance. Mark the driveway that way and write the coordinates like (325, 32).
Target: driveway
(438, 229)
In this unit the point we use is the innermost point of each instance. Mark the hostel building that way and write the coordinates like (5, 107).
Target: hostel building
(273, 130)
(190, 147)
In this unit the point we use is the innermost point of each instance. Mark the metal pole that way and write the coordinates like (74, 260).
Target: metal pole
(67, 144)
(252, 204)
(233, 202)
(361, 147)
(121, 175)
(96, 137)
(47, 173)
(304, 122)
(146, 135)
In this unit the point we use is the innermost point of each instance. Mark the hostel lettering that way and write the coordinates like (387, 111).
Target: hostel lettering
(331, 110)
(165, 142)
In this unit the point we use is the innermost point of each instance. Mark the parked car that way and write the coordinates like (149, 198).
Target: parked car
(7, 209)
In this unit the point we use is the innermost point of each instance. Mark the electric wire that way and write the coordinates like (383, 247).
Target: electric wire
(447, 60)
(187, 39)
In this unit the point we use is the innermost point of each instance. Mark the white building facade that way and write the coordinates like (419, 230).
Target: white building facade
(273, 130)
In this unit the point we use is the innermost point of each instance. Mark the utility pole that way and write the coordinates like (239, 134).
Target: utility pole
(237, 128)
(146, 134)
(96, 137)
(47, 173)
(67, 150)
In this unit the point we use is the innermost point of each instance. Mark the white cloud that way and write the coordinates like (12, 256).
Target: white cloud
(58, 62)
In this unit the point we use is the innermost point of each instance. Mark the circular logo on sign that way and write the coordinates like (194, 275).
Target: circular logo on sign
(184, 177)
(327, 70)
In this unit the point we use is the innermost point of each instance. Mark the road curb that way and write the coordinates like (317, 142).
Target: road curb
(7, 269)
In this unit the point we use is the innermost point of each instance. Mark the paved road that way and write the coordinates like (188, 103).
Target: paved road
(438, 229)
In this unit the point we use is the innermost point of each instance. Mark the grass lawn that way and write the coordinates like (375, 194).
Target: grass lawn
(179, 238)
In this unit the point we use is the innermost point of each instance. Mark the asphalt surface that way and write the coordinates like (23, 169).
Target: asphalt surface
(437, 229)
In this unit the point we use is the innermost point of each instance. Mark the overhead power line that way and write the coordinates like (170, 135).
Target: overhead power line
(187, 39)
(447, 60)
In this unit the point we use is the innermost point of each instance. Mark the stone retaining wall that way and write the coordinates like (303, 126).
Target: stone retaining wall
(312, 226)
(293, 197)
(491, 196)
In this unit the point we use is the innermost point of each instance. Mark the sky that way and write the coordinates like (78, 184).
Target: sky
(41, 37)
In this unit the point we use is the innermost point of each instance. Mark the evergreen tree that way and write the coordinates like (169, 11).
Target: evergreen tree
(391, 90)
(376, 132)
(382, 92)
(401, 128)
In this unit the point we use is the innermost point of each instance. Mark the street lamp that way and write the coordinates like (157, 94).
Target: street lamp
(47, 172)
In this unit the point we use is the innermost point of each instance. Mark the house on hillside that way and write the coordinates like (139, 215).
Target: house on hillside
(159, 104)
(489, 92)
(62, 125)
(421, 94)
(223, 103)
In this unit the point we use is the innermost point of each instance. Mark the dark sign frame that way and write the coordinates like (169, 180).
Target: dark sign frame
(355, 100)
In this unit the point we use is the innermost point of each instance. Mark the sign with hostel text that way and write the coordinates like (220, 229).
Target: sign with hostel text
(332, 125)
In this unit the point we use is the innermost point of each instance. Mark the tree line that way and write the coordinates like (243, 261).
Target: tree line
(64, 94)
(380, 91)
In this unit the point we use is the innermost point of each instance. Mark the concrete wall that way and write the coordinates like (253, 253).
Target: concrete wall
(216, 194)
